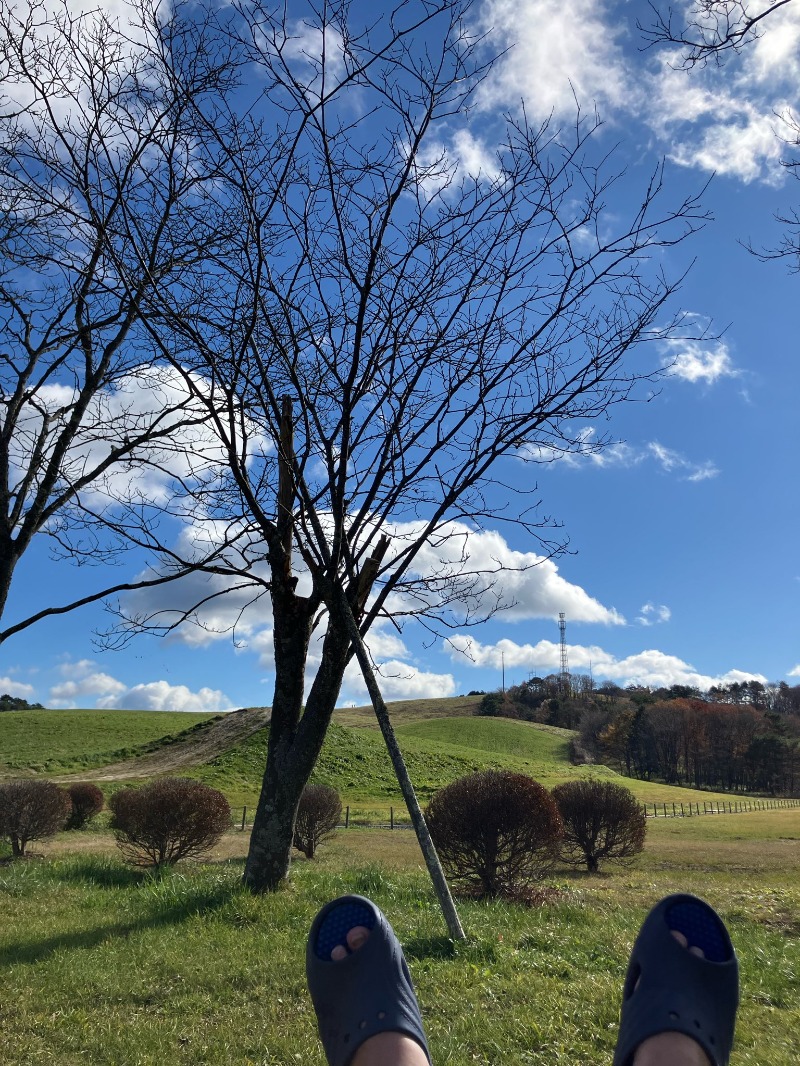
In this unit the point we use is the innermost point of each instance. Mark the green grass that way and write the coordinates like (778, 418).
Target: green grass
(355, 762)
(105, 965)
(60, 741)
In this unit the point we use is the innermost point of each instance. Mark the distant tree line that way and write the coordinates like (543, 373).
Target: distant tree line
(743, 737)
(16, 703)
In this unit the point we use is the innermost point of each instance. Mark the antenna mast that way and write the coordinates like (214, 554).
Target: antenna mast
(562, 628)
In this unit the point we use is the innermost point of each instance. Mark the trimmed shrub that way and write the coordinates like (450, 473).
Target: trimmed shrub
(168, 820)
(87, 802)
(496, 832)
(602, 822)
(318, 814)
(31, 810)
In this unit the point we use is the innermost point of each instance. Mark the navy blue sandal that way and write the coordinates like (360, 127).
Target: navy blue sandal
(669, 989)
(368, 992)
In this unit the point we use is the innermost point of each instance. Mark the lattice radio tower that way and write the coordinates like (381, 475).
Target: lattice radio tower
(562, 628)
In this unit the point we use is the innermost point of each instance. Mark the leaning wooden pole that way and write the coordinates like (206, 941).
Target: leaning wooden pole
(435, 870)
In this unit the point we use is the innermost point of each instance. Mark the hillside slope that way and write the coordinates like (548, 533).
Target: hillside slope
(194, 749)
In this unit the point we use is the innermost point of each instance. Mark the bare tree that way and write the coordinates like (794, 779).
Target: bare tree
(378, 337)
(97, 158)
(403, 332)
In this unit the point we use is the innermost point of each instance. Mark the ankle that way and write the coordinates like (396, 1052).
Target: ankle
(390, 1049)
(670, 1049)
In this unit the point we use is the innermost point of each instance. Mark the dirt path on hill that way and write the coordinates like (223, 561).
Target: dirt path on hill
(194, 750)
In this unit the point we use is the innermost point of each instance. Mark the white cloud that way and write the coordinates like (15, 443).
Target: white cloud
(84, 680)
(397, 681)
(528, 582)
(672, 461)
(720, 119)
(695, 362)
(650, 667)
(15, 688)
(161, 696)
(559, 50)
(473, 155)
(652, 614)
(621, 454)
(795, 671)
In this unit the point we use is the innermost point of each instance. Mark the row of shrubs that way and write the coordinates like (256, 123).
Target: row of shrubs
(156, 825)
(496, 832)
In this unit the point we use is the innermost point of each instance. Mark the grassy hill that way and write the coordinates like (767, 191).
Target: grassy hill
(59, 741)
(354, 759)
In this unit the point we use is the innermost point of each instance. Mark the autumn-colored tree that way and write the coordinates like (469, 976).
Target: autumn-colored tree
(168, 820)
(87, 802)
(603, 822)
(31, 810)
(496, 831)
(318, 814)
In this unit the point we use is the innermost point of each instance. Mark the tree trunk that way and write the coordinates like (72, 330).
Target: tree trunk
(294, 745)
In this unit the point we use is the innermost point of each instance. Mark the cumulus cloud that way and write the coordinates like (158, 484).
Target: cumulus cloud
(651, 667)
(653, 614)
(398, 681)
(83, 681)
(529, 583)
(161, 696)
(795, 671)
(15, 688)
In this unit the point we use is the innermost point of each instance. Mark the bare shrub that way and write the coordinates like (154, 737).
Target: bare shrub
(31, 810)
(496, 832)
(87, 802)
(168, 820)
(602, 822)
(318, 814)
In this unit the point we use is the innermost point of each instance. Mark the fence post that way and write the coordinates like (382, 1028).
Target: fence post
(244, 817)
(673, 810)
(347, 817)
(391, 817)
(665, 810)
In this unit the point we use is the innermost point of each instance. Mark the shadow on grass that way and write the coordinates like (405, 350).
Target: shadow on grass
(191, 903)
(429, 947)
(102, 873)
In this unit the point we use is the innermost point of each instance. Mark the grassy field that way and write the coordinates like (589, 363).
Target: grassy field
(60, 741)
(102, 964)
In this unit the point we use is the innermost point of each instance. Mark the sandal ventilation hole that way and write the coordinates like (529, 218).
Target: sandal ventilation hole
(381, 1015)
(673, 1016)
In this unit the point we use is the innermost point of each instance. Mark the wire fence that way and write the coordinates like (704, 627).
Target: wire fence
(358, 818)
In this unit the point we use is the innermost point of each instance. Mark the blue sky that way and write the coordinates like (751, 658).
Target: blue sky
(683, 563)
